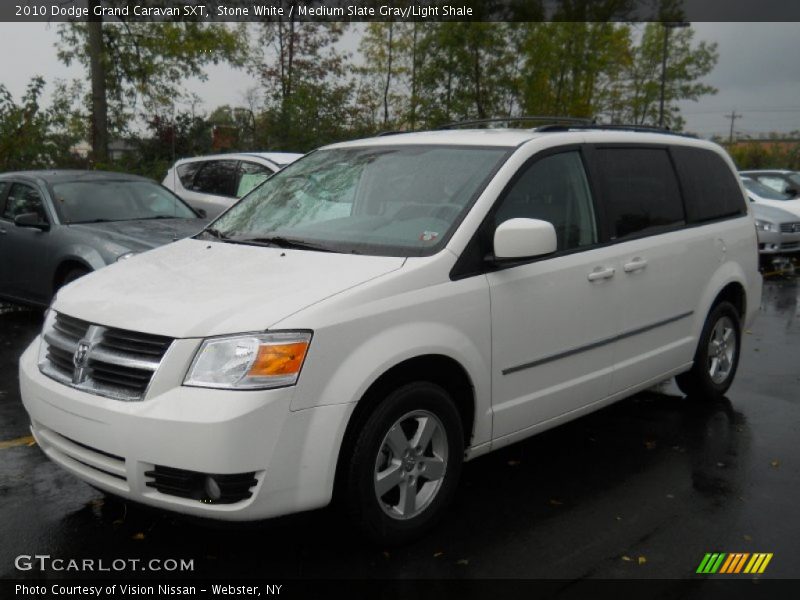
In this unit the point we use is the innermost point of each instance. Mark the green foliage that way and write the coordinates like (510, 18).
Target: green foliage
(306, 82)
(308, 92)
(147, 62)
(34, 137)
(634, 96)
(775, 153)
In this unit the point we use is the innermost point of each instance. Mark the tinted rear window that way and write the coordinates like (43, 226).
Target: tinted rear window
(187, 171)
(639, 190)
(216, 177)
(710, 187)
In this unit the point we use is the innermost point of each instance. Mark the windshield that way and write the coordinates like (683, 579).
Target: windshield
(389, 201)
(105, 200)
(763, 191)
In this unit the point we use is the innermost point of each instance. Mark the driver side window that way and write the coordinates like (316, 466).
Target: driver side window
(23, 199)
(554, 189)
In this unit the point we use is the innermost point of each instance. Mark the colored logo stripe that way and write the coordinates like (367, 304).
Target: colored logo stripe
(758, 563)
(711, 562)
(733, 563)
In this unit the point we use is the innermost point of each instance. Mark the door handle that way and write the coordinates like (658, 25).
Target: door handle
(637, 264)
(601, 273)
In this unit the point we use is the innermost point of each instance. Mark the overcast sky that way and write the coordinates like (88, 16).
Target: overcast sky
(758, 74)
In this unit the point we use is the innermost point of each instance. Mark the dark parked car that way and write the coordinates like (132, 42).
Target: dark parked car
(56, 226)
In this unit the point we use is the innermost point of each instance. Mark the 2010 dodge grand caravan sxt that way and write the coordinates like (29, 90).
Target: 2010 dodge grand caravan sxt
(384, 309)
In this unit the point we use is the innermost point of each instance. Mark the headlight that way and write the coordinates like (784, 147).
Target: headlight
(252, 361)
(765, 225)
(125, 256)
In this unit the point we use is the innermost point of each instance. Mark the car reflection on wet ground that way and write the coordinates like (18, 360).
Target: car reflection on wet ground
(643, 488)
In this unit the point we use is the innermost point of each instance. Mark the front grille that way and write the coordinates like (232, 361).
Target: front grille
(229, 489)
(790, 227)
(117, 363)
(790, 245)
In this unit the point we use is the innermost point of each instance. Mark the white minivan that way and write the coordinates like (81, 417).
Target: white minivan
(382, 310)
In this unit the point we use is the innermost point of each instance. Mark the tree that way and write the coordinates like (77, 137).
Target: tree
(128, 61)
(307, 85)
(469, 71)
(34, 137)
(637, 92)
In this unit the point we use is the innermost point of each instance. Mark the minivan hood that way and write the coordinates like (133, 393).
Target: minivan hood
(196, 288)
(142, 234)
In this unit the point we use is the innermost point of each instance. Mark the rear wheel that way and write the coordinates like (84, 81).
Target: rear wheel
(717, 355)
(405, 464)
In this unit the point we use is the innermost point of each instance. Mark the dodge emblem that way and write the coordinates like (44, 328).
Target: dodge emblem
(81, 360)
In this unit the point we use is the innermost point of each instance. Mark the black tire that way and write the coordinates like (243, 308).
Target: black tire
(698, 382)
(406, 408)
(72, 275)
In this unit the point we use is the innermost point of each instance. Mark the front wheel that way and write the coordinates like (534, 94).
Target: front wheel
(405, 464)
(717, 355)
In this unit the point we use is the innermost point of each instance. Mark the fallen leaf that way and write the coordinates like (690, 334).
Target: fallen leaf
(642, 560)
(618, 518)
(747, 538)
(627, 558)
(386, 554)
(721, 465)
(438, 554)
(462, 561)
(513, 463)
(650, 444)
(748, 332)
(775, 463)
(138, 536)
(556, 502)
(670, 496)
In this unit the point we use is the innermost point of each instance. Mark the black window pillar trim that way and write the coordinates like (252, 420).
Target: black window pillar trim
(476, 258)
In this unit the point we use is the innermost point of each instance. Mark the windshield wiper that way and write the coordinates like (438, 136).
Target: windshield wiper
(215, 233)
(284, 242)
(91, 221)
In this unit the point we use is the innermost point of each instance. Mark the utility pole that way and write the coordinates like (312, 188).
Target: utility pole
(733, 116)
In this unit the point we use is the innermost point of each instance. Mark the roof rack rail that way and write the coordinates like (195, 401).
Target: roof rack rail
(390, 132)
(614, 127)
(549, 118)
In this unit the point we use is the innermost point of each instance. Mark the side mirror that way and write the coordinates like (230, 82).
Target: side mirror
(791, 192)
(31, 220)
(524, 238)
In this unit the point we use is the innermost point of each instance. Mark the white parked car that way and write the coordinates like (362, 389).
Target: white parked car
(767, 196)
(214, 183)
(384, 309)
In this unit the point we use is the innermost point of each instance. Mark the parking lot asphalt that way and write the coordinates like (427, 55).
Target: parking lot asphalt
(642, 489)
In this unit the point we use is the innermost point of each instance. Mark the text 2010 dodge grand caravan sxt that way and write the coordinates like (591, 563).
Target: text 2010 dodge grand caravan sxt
(384, 309)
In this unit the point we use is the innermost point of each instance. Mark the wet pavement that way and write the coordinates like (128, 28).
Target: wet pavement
(642, 489)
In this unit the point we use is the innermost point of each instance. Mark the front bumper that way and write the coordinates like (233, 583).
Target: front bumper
(777, 243)
(113, 444)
